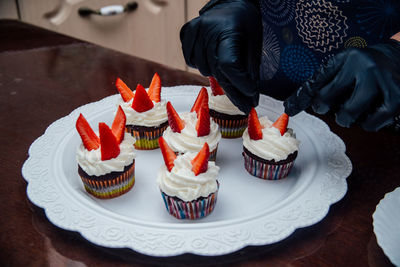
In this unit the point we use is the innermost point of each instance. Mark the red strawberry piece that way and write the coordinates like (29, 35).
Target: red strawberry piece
(202, 99)
(125, 92)
(118, 126)
(203, 122)
(89, 139)
(281, 123)
(200, 162)
(174, 121)
(254, 126)
(142, 101)
(108, 143)
(215, 87)
(154, 91)
(168, 154)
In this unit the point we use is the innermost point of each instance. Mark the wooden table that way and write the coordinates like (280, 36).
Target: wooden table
(44, 76)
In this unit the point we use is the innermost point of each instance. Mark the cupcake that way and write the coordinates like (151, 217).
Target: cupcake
(146, 116)
(188, 182)
(189, 131)
(106, 163)
(269, 149)
(232, 122)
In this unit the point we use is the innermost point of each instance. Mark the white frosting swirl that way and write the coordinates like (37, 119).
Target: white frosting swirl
(152, 117)
(273, 145)
(91, 163)
(222, 104)
(187, 140)
(183, 183)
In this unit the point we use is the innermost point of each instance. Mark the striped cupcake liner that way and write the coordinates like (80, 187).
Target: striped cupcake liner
(266, 171)
(111, 188)
(190, 210)
(231, 128)
(213, 154)
(147, 140)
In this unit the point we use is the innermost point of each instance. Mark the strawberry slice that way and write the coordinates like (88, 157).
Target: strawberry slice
(125, 92)
(203, 122)
(89, 139)
(200, 162)
(108, 143)
(215, 87)
(168, 154)
(154, 91)
(254, 126)
(142, 101)
(174, 121)
(118, 126)
(202, 99)
(281, 123)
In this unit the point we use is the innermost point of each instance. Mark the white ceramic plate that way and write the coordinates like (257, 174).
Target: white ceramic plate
(249, 211)
(386, 221)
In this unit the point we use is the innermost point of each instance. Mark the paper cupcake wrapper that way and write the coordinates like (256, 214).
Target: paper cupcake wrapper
(147, 140)
(231, 128)
(190, 210)
(266, 171)
(213, 154)
(111, 188)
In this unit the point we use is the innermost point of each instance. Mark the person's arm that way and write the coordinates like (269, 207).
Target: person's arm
(225, 42)
(361, 85)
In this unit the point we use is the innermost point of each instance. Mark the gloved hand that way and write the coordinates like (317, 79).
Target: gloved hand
(225, 42)
(361, 84)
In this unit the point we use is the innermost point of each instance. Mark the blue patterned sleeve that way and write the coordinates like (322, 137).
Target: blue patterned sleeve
(299, 35)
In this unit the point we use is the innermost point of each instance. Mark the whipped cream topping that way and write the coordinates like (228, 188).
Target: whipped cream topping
(222, 104)
(152, 117)
(181, 182)
(273, 145)
(187, 140)
(91, 163)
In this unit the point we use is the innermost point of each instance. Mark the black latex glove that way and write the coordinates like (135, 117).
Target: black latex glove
(225, 42)
(361, 84)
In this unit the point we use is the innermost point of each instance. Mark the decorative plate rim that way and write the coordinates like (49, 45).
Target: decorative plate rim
(210, 239)
(383, 225)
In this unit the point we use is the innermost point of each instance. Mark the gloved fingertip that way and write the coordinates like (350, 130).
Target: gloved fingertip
(291, 109)
(320, 107)
(255, 101)
(373, 127)
(344, 119)
(245, 109)
(381, 118)
(368, 127)
(300, 100)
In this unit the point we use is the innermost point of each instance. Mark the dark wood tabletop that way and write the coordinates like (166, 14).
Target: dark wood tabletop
(44, 76)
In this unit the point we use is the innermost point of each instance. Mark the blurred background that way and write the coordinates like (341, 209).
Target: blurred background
(144, 28)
